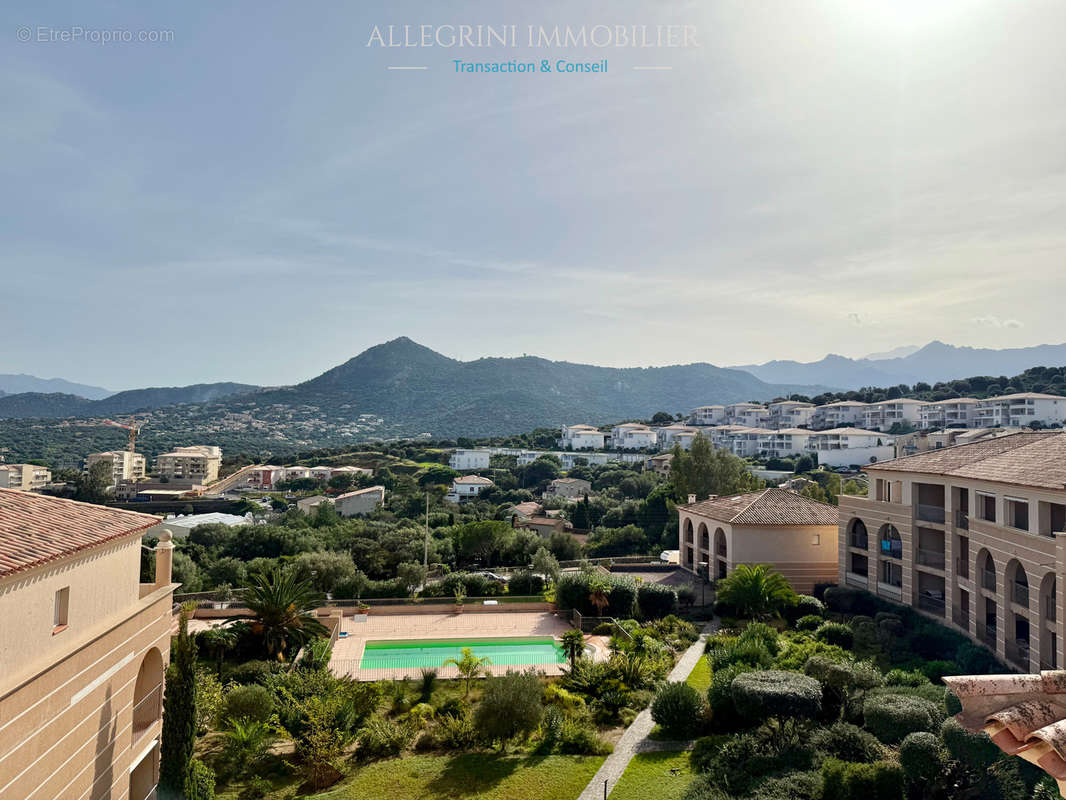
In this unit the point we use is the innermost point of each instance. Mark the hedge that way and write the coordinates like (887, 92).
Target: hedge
(890, 717)
(848, 743)
(843, 781)
(919, 755)
(805, 605)
(678, 708)
(776, 693)
(835, 633)
(573, 591)
(655, 600)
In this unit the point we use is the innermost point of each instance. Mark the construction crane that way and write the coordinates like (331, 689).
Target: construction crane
(133, 431)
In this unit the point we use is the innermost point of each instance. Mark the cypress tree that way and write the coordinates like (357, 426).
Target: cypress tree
(179, 710)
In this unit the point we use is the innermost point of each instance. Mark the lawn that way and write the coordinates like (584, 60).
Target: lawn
(471, 776)
(700, 677)
(649, 775)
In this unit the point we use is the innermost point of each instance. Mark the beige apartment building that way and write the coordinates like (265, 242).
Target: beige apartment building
(972, 535)
(199, 464)
(83, 649)
(792, 533)
(125, 466)
(25, 477)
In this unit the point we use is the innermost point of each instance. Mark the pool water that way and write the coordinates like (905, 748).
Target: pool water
(406, 653)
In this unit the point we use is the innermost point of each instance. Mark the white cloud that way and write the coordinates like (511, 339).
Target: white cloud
(992, 321)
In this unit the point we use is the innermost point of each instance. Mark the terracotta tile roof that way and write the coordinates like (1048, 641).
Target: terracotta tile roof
(35, 529)
(1031, 458)
(771, 506)
(1024, 715)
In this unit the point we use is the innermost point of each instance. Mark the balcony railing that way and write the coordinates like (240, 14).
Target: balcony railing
(930, 558)
(962, 568)
(1020, 593)
(988, 579)
(962, 520)
(147, 711)
(930, 513)
(934, 605)
(853, 579)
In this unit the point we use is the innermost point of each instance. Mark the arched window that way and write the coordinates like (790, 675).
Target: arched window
(688, 532)
(1017, 583)
(720, 548)
(148, 693)
(986, 570)
(705, 538)
(857, 536)
(891, 543)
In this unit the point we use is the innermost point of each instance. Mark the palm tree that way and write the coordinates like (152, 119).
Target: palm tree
(246, 744)
(756, 591)
(598, 595)
(281, 607)
(218, 640)
(469, 665)
(573, 643)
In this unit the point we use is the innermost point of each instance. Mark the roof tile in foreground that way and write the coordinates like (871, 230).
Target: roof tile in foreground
(771, 506)
(36, 529)
(1024, 715)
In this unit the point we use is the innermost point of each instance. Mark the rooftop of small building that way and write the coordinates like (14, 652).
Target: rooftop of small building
(771, 506)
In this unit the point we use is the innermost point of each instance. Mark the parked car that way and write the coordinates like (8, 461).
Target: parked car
(492, 576)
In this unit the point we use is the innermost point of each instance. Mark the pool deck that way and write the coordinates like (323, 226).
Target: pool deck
(348, 650)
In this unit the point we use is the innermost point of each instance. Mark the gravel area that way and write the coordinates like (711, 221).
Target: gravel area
(635, 739)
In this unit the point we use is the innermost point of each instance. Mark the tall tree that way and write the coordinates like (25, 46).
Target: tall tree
(179, 709)
(756, 591)
(705, 470)
(281, 607)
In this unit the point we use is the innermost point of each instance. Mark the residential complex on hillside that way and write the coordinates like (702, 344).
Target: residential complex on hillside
(124, 464)
(25, 477)
(198, 463)
(83, 650)
(973, 535)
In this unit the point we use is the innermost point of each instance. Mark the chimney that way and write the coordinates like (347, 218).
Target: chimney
(164, 559)
(691, 498)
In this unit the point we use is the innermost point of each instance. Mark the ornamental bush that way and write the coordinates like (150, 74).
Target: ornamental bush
(724, 715)
(510, 706)
(525, 582)
(848, 743)
(791, 786)
(199, 781)
(380, 738)
(253, 702)
(810, 622)
(805, 606)
(882, 780)
(890, 717)
(835, 633)
(703, 752)
(920, 756)
(656, 600)
(573, 591)
(899, 677)
(678, 708)
(776, 693)
(975, 750)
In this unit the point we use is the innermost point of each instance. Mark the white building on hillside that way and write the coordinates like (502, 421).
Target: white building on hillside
(1021, 410)
(750, 415)
(360, 502)
(671, 434)
(839, 414)
(708, 415)
(841, 447)
(785, 442)
(633, 436)
(469, 459)
(791, 414)
(467, 488)
(581, 437)
(883, 415)
(958, 412)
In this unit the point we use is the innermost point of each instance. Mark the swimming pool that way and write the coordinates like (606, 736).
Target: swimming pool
(406, 653)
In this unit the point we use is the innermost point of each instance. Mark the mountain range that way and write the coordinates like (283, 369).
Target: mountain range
(58, 404)
(934, 362)
(17, 384)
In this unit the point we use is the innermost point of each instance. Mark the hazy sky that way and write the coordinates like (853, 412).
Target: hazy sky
(260, 198)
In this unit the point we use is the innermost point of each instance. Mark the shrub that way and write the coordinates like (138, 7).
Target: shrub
(975, 660)
(728, 651)
(805, 606)
(452, 707)
(848, 743)
(656, 600)
(256, 789)
(809, 623)
(762, 634)
(678, 708)
(246, 743)
(792, 786)
(744, 762)
(935, 670)
(890, 717)
(804, 648)
(919, 755)
(456, 732)
(525, 582)
(775, 693)
(253, 671)
(383, 737)
(975, 750)
(835, 633)
(879, 781)
(926, 691)
(720, 697)
(703, 752)
(704, 788)
(577, 737)
(573, 591)
(899, 677)
(604, 629)
(427, 683)
(555, 695)
(252, 702)
(199, 781)
(510, 706)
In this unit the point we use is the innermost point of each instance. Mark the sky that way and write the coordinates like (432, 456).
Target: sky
(259, 198)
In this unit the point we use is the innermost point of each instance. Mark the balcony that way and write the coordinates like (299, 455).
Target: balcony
(147, 712)
(931, 604)
(890, 590)
(858, 581)
(962, 520)
(988, 579)
(930, 558)
(929, 513)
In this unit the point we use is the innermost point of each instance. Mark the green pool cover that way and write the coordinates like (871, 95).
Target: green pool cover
(406, 653)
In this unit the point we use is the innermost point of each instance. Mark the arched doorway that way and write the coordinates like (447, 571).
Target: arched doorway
(1019, 634)
(705, 539)
(687, 546)
(721, 553)
(890, 558)
(148, 693)
(987, 624)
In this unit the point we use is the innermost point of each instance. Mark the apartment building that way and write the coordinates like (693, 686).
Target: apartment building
(1020, 410)
(746, 442)
(960, 412)
(468, 487)
(469, 459)
(883, 415)
(708, 415)
(839, 414)
(659, 464)
(24, 477)
(83, 651)
(633, 436)
(791, 414)
(669, 435)
(582, 437)
(569, 488)
(199, 463)
(784, 442)
(794, 534)
(973, 535)
(750, 415)
(842, 447)
(124, 464)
